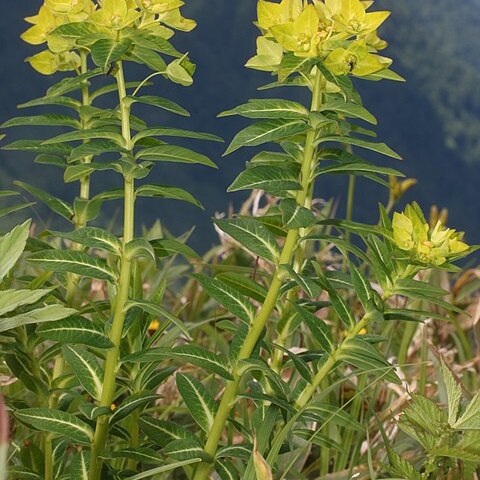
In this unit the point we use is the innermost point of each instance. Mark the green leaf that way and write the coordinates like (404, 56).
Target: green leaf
(327, 412)
(12, 299)
(226, 470)
(93, 237)
(198, 400)
(470, 419)
(146, 56)
(132, 403)
(140, 454)
(75, 330)
(269, 108)
(375, 147)
(85, 135)
(358, 168)
(320, 331)
(165, 468)
(74, 262)
(107, 51)
(266, 131)
(93, 148)
(253, 235)
(243, 285)
(192, 354)
(71, 84)
(228, 297)
(57, 205)
(177, 73)
(188, 449)
(86, 368)
(139, 247)
(172, 153)
(351, 110)
(454, 393)
(159, 311)
(38, 147)
(362, 286)
(15, 208)
(80, 465)
(11, 247)
(167, 246)
(56, 421)
(270, 179)
(60, 101)
(175, 132)
(363, 356)
(42, 120)
(49, 313)
(168, 192)
(295, 216)
(158, 102)
(161, 432)
(291, 63)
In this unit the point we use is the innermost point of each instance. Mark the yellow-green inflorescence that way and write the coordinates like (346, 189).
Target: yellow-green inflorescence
(339, 32)
(426, 245)
(159, 17)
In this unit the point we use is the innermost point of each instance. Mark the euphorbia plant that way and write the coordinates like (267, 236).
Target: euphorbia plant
(97, 39)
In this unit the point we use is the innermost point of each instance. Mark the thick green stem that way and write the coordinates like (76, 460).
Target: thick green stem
(119, 310)
(288, 251)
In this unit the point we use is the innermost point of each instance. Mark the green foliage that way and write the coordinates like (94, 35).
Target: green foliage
(130, 356)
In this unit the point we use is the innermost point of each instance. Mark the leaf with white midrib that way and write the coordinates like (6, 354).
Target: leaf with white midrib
(228, 297)
(186, 449)
(93, 237)
(175, 154)
(162, 432)
(12, 299)
(57, 421)
(175, 132)
(269, 108)
(132, 403)
(74, 262)
(86, 368)
(79, 466)
(253, 235)
(75, 330)
(198, 400)
(11, 247)
(265, 178)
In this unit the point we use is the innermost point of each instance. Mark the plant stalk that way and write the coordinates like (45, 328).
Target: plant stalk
(119, 314)
(258, 324)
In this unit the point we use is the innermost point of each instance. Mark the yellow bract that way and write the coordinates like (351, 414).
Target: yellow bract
(174, 19)
(270, 14)
(159, 6)
(115, 14)
(302, 36)
(43, 24)
(434, 246)
(269, 55)
(49, 63)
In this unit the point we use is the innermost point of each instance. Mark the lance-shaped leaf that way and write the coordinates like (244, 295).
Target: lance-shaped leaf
(85, 135)
(470, 419)
(294, 215)
(165, 468)
(132, 403)
(358, 169)
(266, 131)
(454, 393)
(175, 132)
(75, 330)
(11, 247)
(164, 247)
(12, 299)
(72, 84)
(139, 247)
(93, 148)
(198, 400)
(186, 449)
(74, 262)
(324, 412)
(168, 192)
(362, 286)
(159, 102)
(226, 470)
(86, 368)
(47, 100)
(192, 354)
(49, 313)
(107, 51)
(93, 237)
(228, 297)
(348, 109)
(253, 235)
(363, 356)
(58, 422)
(162, 432)
(57, 205)
(173, 153)
(139, 454)
(80, 466)
(269, 108)
(159, 311)
(243, 285)
(42, 121)
(270, 179)
(320, 331)
(375, 147)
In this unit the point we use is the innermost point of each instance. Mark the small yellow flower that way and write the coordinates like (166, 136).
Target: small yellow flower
(412, 233)
(271, 14)
(154, 326)
(115, 14)
(113, 407)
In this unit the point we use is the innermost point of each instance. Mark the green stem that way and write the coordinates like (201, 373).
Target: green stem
(228, 399)
(119, 313)
(329, 364)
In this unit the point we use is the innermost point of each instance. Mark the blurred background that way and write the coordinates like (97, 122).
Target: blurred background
(433, 120)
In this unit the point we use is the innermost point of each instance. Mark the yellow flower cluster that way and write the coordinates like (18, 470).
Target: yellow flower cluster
(339, 32)
(426, 245)
(109, 17)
